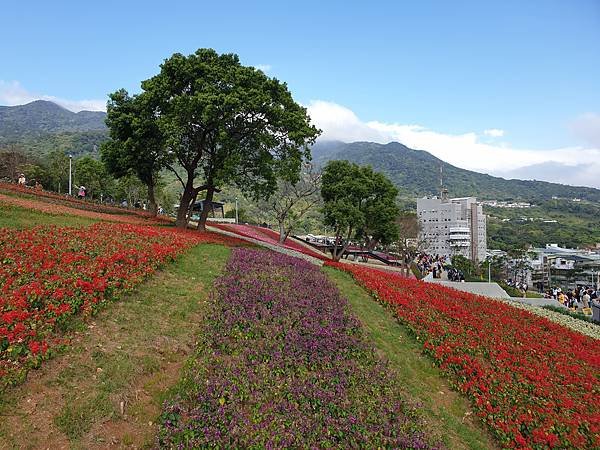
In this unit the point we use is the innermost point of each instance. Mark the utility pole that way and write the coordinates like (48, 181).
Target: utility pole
(70, 174)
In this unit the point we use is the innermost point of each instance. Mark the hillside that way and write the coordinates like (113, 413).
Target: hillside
(417, 172)
(41, 126)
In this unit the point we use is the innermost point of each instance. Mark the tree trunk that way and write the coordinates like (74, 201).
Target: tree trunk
(282, 233)
(184, 203)
(338, 252)
(152, 200)
(210, 190)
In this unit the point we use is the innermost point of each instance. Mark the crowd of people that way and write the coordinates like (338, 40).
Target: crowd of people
(520, 285)
(429, 263)
(456, 275)
(582, 297)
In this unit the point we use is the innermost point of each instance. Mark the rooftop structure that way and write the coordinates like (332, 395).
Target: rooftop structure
(565, 267)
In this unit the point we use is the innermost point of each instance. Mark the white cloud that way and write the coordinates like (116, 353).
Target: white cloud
(587, 128)
(12, 93)
(494, 132)
(575, 175)
(264, 67)
(465, 150)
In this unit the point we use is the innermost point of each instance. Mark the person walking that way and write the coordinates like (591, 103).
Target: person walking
(586, 299)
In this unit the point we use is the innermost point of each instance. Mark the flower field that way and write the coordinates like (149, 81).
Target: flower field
(72, 202)
(293, 368)
(535, 383)
(50, 274)
(269, 236)
(77, 209)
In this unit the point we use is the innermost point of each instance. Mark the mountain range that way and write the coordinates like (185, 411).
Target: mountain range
(41, 126)
(417, 173)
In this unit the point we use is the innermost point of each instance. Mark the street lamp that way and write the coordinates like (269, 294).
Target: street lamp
(236, 211)
(70, 173)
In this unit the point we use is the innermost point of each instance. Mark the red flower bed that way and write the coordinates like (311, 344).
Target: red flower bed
(49, 274)
(269, 236)
(73, 202)
(59, 209)
(534, 382)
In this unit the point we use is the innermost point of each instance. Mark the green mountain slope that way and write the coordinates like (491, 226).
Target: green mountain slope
(417, 172)
(41, 126)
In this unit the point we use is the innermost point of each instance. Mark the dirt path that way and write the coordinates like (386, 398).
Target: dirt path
(107, 389)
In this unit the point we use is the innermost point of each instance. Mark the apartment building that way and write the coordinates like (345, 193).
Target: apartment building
(455, 226)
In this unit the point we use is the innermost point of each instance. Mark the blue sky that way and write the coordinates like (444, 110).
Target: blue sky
(530, 70)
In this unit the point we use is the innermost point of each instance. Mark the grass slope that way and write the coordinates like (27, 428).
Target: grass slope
(17, 217)
(448, 412)
(106, 390)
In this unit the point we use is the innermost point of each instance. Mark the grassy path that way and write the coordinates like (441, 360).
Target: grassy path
(448, 414)
(107, 389)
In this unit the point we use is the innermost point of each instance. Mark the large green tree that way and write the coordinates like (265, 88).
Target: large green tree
(227, 124)
(137, 144)
(358, 202)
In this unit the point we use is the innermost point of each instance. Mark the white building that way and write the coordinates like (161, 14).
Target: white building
(455, 226)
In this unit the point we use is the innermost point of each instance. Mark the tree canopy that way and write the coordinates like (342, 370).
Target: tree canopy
(228, 124)
(137, 144)
(358, 202)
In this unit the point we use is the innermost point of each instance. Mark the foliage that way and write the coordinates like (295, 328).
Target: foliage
(409, 244)
(416, 173)
(12, 161)
(49, 274)
(465, 265)
(358, 201)
(137, 144)
(269, 237)
(576, 225)
(229, 124)
(91, 173)
(448, 413)
(293, 200)
(508, 361)
(567, 312)
(41, 117)
(294, 369)
(55, 204)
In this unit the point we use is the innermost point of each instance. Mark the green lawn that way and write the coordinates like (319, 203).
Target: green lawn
(107, 388)
(17, 217)
(447, 413)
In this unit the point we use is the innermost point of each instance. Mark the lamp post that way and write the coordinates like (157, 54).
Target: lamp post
(490, 270)
(70, 173)
(236, 211)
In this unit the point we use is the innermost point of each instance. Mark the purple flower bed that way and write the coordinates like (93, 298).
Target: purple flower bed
(281, 363)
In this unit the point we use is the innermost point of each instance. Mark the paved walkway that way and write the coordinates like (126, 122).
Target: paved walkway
(492, 290)
(276, 248)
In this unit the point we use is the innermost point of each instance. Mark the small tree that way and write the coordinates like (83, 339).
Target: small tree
(352, 196)
(229, 124)
(58, 170)
(410, 242)
(12, 160)
(465, 265)
(292, 201)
